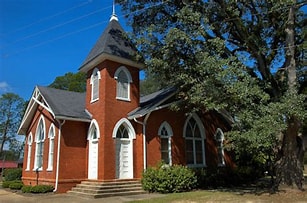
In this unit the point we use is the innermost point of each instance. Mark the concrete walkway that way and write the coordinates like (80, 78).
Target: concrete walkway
(6, 196)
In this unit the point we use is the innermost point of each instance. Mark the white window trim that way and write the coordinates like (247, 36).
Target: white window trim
(96, 70)
(218, 130)
(126, 71)
(39, 141)
(29, 142)
(203, 138)
(129, 127)
(51, 137)
(170, 134)
(94, 124)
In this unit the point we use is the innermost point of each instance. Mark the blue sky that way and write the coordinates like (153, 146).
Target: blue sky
(43, 39)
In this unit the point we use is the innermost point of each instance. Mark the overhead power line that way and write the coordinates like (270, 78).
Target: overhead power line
(47, 18)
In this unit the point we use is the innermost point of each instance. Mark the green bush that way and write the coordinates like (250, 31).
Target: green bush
(169, 179)
(6, 184)
(37, 189)
(16, 186)
(26, 188)
(12, 174)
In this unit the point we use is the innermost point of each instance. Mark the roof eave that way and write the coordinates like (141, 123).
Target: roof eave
(61, 117)
(105, 56)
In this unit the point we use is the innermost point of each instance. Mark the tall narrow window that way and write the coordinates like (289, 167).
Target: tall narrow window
(95, 85)
(123, 78)
(194, 141)
(39, 139)
(29, 142)
(51, 148)
(93, 133)
(219, 138)
(165, 133)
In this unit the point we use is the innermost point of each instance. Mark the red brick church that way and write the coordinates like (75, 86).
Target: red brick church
(110, 132)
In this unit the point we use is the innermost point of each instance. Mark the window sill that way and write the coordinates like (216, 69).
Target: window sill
(123, 99)
(95, 100)
(40, 169)
(49, 169)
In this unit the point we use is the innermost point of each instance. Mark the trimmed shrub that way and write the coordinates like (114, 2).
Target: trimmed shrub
(169, 179)
(16, 186)
(6, 184)
(12, 174)
(26, 188)
(37, 189)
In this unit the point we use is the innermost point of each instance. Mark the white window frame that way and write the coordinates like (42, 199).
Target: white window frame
(119, 84)
(40, 141)
(51, 136)
(202, 139)
(95, 81)
(29, 142)
(220, 146)
(169, 131)
(128, 126)
(93, 126)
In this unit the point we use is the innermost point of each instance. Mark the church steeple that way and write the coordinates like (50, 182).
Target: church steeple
(113, 16)
(113, 45)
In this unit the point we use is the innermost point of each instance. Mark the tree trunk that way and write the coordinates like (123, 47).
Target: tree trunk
(289, 168)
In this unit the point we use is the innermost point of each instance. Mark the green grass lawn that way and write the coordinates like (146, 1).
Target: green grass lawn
(288, 195)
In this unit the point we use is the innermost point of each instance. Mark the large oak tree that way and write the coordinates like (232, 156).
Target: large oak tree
(242, 56)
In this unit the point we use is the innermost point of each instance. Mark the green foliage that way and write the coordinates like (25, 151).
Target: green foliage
(11, 110)
(12, 174)
(26, 188)
(70, 81)
(228, 55)
(37, 188)
(7, 184)
(41, 188)
(169, 179)
(16, 186)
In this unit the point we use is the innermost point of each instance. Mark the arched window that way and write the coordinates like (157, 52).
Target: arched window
(51, 136)
(123, 129)
(39, 139)
(219, 138)
(194, 134)
(123, 77)
(95, 84)
(165, 132)
(122, 132)
(29, 142)
(93, 133)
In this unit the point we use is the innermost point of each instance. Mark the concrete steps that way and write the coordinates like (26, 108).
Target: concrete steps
(99, 189)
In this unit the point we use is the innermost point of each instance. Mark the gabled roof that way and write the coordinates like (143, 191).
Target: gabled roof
(113, 44)
(8, 164)
(61, 104)
(153, 102)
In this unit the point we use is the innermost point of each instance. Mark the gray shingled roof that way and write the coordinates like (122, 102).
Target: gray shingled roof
(150, 102)
(65, 103)
(113, 41)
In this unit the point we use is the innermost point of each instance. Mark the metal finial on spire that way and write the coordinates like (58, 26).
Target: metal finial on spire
(114, 16)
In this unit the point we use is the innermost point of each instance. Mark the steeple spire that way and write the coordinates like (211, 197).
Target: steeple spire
(114, 16)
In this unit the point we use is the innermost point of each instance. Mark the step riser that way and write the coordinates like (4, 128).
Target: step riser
(114, 190)
(102, 187)
(93, 196)
(106, 189)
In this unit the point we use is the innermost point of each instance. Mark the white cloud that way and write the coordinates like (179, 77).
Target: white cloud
(4, 87)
